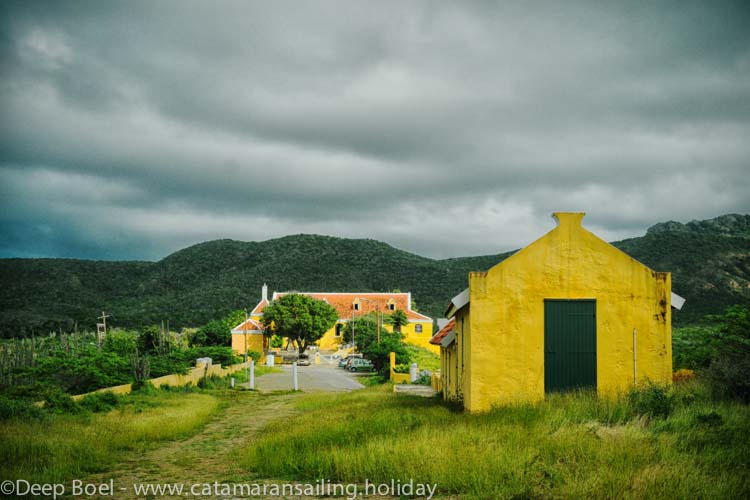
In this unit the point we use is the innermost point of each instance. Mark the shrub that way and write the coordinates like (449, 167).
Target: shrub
(683, 375)
(59, 402)
(100, 401)
(255, 355)
(401, 368)
(14, 408)
(120, 342)
(651, 401)
(729, 372)
(218, 354)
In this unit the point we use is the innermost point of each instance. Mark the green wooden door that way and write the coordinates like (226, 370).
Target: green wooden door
(569, 344)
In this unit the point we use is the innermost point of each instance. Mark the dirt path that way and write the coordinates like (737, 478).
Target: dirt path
(207, 457)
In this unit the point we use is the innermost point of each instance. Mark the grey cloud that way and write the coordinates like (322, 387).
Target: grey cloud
(193, 121)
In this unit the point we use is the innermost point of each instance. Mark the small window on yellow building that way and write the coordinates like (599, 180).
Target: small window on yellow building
(418, 328)
(338, 329)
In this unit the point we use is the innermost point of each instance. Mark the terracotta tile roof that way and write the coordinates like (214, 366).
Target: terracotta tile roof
(248, 326)
(259, 308)
(344, 303)
(443, 332)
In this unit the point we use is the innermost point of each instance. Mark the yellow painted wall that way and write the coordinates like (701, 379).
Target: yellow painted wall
(398, 378)
(418, 339)
(253, 341)
(329, 341)
(504, 340)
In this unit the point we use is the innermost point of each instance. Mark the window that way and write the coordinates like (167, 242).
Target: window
(356, 306)
(418, 328)
(392, 306)
(338, 329)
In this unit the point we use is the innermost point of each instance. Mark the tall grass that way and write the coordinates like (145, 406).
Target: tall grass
(573, 445)
(60, 447)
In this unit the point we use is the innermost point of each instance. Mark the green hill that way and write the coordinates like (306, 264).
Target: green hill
(710, 262)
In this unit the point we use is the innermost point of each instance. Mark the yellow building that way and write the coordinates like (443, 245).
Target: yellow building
(250, 334)
(348, 305)
(568, 311)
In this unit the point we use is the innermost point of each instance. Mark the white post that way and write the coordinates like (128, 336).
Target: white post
(231, 382)
(251, 380)
(635, 376)
(413, 373)
(294, 374)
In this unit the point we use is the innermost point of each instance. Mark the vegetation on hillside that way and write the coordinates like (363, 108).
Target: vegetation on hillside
(710, 262)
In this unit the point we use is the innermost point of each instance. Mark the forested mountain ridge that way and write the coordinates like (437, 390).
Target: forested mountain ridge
(710, 262)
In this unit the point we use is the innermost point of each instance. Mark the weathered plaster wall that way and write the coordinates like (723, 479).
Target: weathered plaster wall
(505, 347)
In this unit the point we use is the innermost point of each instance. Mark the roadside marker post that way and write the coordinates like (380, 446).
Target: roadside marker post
(251, 380)
(294, 374)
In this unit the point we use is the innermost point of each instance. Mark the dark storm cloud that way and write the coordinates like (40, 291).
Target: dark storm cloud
(134, 128)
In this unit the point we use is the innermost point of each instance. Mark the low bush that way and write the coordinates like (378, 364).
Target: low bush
(17, 408)
(100, 401)
(401, 368)
(651, 401)
(60, 402)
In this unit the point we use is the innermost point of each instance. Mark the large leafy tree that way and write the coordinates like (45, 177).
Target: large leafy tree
(299, 318)
(215, 332)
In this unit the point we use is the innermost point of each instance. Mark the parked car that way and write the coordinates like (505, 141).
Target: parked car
(344, 362)
(360, 365)
(303, 360)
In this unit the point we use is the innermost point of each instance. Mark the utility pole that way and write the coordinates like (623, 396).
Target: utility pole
(100, 332)
(377, 320)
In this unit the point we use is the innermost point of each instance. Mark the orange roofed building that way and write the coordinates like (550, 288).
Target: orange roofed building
(348, 305)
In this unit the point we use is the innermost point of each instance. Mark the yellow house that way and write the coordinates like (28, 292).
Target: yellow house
(250, 334)
(568, 311)
(348, 305)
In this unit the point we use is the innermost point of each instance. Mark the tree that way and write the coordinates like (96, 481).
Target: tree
(215, 332)
(300, 318)
(397, 319)
(366, 341)
(234, 318)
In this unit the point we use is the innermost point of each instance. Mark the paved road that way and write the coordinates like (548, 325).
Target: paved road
(313, 378)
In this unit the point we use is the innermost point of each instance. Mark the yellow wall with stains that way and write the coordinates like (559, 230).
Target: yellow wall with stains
(504, 341)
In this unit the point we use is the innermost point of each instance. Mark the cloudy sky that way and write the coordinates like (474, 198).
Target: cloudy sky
(131, 129)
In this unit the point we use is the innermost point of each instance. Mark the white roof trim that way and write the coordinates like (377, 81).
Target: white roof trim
(448, 339)
(677, 301)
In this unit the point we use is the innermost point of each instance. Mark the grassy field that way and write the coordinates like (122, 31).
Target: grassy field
(58, 447)
(425, 359)
(567, 446)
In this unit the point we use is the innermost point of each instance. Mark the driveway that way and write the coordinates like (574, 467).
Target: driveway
(313, 378)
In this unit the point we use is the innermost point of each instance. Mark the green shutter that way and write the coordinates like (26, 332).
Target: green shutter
(569, 344)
